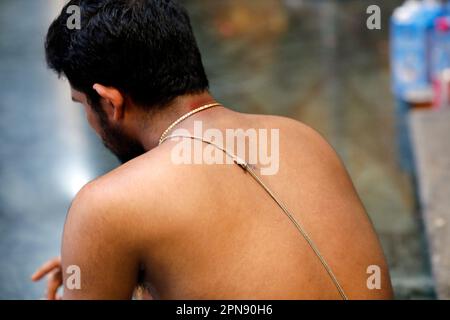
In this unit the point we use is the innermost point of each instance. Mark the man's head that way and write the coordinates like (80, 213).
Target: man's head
(129, 59)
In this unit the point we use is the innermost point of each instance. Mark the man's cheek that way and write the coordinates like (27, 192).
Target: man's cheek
(93, 121)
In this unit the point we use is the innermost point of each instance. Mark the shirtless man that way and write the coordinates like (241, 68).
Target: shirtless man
(191, 231)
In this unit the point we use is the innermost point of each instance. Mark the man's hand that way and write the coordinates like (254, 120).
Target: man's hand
(53, 269)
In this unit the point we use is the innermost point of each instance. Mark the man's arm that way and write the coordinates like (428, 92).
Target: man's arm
(98, 243)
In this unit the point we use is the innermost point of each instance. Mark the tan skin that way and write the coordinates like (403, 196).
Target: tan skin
(209, 231)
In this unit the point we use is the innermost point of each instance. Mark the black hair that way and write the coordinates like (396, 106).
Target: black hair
(144, 48)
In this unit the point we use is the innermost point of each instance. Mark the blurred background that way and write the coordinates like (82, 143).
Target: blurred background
(315, 61)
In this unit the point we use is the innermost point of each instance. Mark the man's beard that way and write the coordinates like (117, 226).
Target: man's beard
(124, 147)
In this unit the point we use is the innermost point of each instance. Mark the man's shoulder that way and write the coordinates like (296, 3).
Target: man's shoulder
(288, 125)
(148, 185)
(300, 136)
(127, 193)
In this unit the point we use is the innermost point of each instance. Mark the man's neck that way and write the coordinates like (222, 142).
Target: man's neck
(160, 121)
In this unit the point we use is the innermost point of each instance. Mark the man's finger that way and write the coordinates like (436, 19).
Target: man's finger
(46, 268)
(53, 284)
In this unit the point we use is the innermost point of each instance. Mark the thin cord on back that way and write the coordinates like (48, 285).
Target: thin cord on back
(243, 164)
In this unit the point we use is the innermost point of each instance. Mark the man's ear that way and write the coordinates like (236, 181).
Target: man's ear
(114, 101)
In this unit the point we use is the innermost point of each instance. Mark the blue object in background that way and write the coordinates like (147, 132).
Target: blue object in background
(411, 29)
(440, 58)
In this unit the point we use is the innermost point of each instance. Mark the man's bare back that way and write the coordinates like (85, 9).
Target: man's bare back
(211, 232)
(195, 231)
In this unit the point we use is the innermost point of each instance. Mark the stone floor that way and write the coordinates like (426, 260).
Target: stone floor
(429, 132)
(311, 60)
